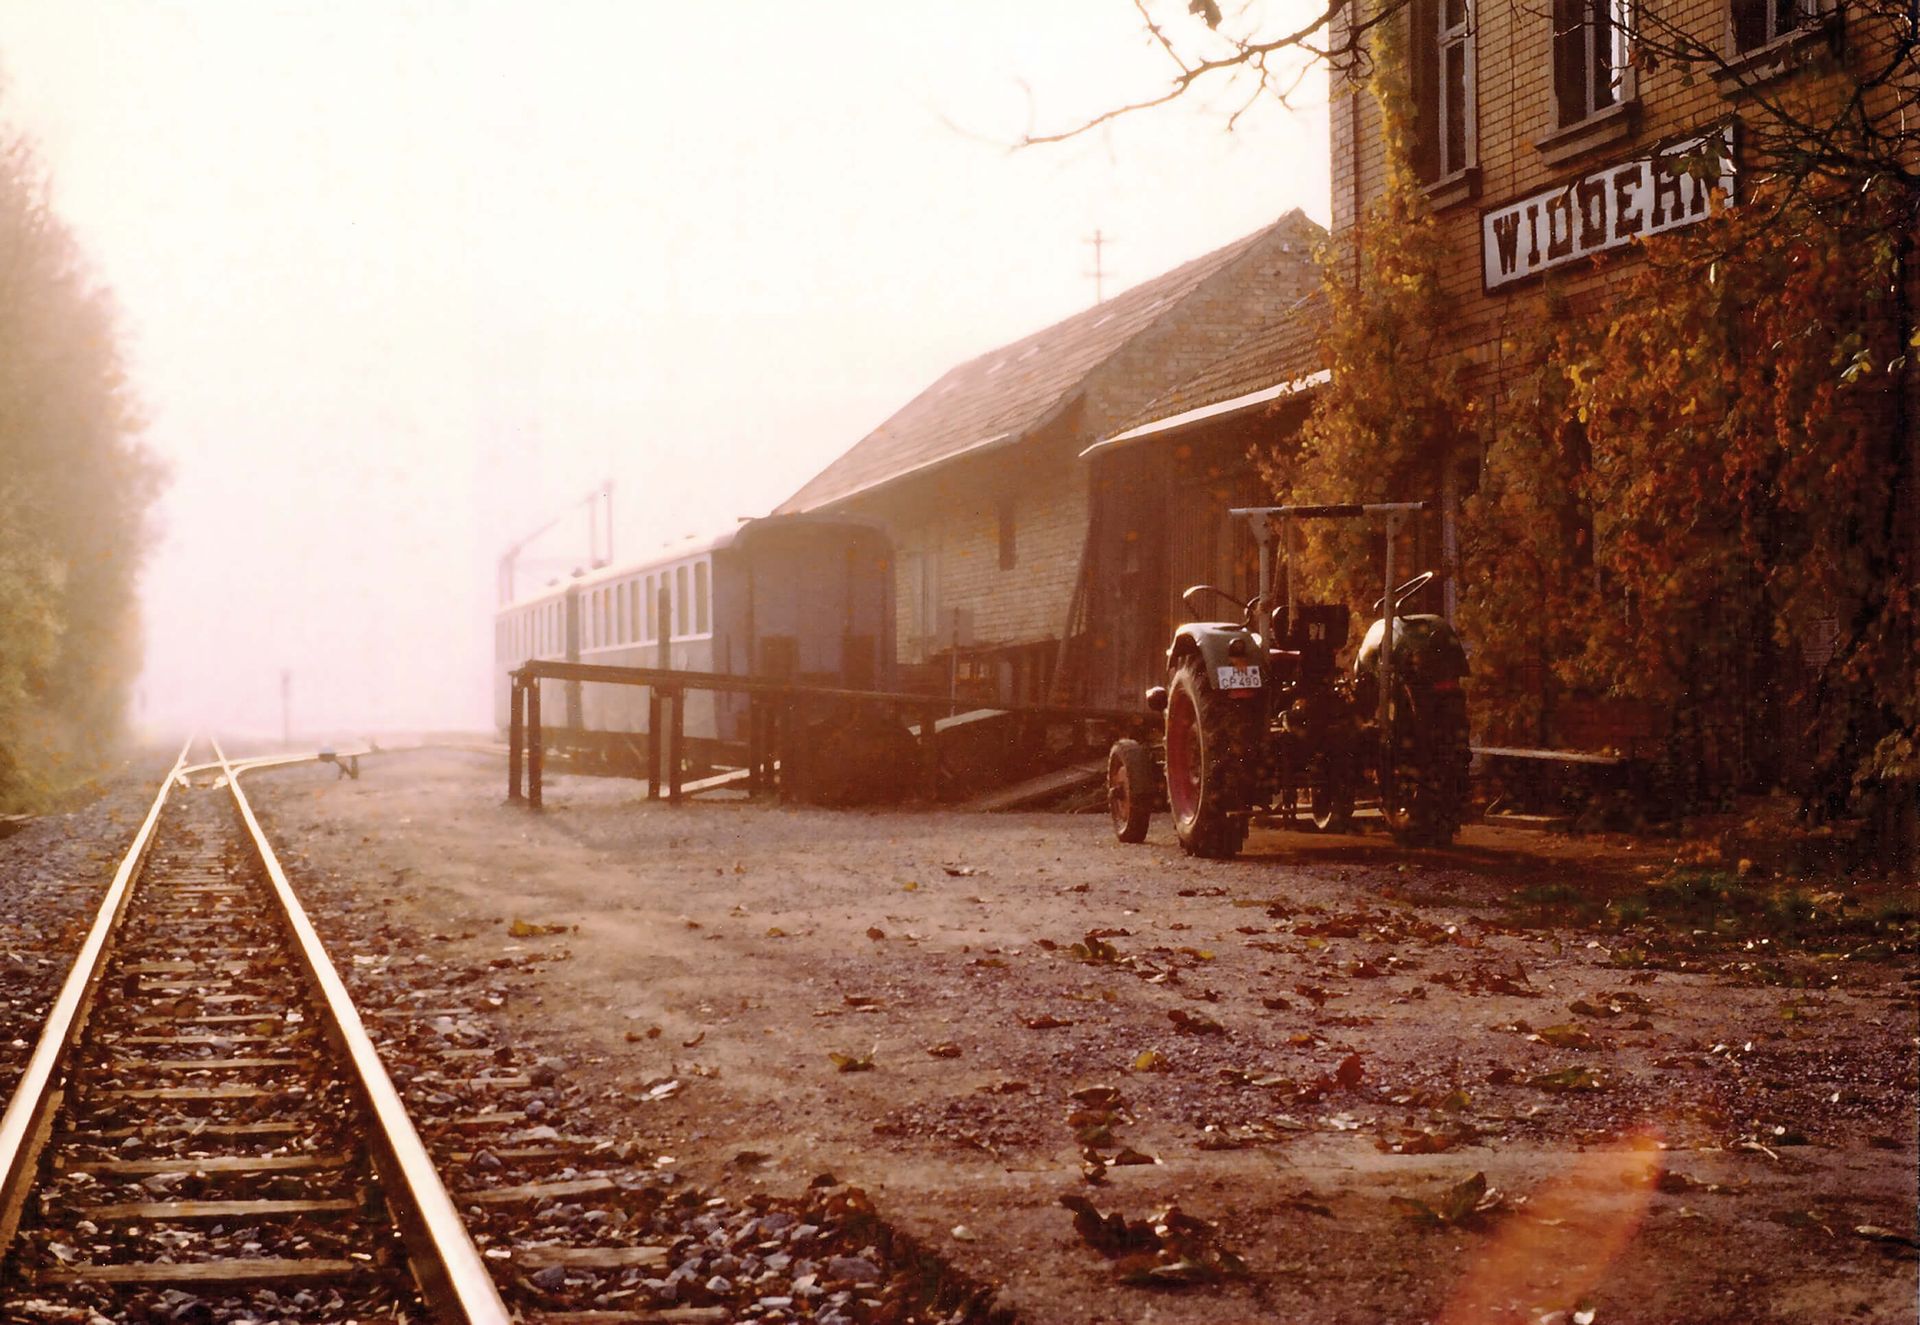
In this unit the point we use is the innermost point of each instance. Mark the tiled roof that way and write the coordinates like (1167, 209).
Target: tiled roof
(1008, 393)
(1285, 350)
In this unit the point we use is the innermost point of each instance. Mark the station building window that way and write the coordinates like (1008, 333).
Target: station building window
(1591, 72)
(680, 600)
(1441, 50)
(1758, 23)
(702, 612)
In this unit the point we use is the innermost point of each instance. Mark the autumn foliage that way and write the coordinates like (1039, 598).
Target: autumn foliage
(1687, 484)
(1692, 500)
(1394, 412)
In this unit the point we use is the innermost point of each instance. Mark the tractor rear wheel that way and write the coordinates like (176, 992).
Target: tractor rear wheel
(1130, 787)
(1207, 755)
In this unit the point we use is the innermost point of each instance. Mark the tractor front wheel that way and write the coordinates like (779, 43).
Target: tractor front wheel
(1206, 765)
(1330, 801)
(1130, 787)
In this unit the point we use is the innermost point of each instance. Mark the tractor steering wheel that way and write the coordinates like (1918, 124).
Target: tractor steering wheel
(1405, 591)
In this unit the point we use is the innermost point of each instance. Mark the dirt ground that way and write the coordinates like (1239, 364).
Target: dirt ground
(1691, 1096)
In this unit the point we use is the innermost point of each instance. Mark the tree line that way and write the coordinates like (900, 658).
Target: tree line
(76, 487)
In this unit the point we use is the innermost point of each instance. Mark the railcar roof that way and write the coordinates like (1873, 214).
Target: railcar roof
(684, 549)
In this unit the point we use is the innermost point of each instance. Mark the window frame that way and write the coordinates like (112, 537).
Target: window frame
(1584, 45)
(1432, 40)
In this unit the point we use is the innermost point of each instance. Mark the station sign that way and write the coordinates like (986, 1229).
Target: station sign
(1605, 209)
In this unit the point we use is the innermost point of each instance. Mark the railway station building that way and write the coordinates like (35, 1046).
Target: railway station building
(1014, 581)
(1553, 148)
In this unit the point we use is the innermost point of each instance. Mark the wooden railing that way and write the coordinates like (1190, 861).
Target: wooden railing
(771, 726)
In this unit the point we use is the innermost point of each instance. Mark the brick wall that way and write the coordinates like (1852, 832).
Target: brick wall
(1515, 111)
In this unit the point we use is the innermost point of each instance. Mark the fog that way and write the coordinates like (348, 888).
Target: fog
(400, 282)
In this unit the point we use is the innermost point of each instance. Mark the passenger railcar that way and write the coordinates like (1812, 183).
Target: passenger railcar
(796, 597)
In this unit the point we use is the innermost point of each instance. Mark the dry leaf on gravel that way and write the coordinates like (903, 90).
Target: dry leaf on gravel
(1564, 1036)
(1194, 1023)
(1461, 1203)
(1572, 1078)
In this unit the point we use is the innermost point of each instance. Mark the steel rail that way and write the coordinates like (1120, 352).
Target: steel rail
(451, 1273)
(280, 761)
(23, 1127)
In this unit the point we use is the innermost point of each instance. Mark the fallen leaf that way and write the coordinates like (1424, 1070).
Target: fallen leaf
(525, 929)
(689, 1044)
(945, 1049)
(1461, 1203)
(1572, 1078)
(1415, 1141)
(1194, 1023)
(1564, 1036)
(1150, 1060)
(1875, 1233)
(1350, 1072)
(851, 1062)
(1110, 1235)
(876, 933)
(1096, 950)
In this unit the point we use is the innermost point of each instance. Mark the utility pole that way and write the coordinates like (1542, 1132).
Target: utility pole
(1099, 272)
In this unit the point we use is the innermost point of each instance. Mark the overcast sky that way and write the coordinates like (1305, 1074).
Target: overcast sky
(399, 281)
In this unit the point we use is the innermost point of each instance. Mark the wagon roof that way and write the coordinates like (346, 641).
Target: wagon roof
(693, 545)
(1012, 391)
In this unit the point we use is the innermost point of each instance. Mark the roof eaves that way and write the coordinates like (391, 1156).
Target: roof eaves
(1292, 387)
(874, 485)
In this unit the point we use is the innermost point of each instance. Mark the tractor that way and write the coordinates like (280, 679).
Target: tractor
(1262, 719)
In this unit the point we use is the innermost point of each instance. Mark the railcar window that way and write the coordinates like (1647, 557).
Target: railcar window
(679, 600)
(600, 627)
(702, 611)
(639, 612)
(621, 618)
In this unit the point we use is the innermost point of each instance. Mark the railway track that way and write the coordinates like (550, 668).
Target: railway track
(204, 1130)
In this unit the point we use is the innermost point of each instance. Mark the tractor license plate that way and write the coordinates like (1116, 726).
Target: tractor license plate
(1237, 678)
